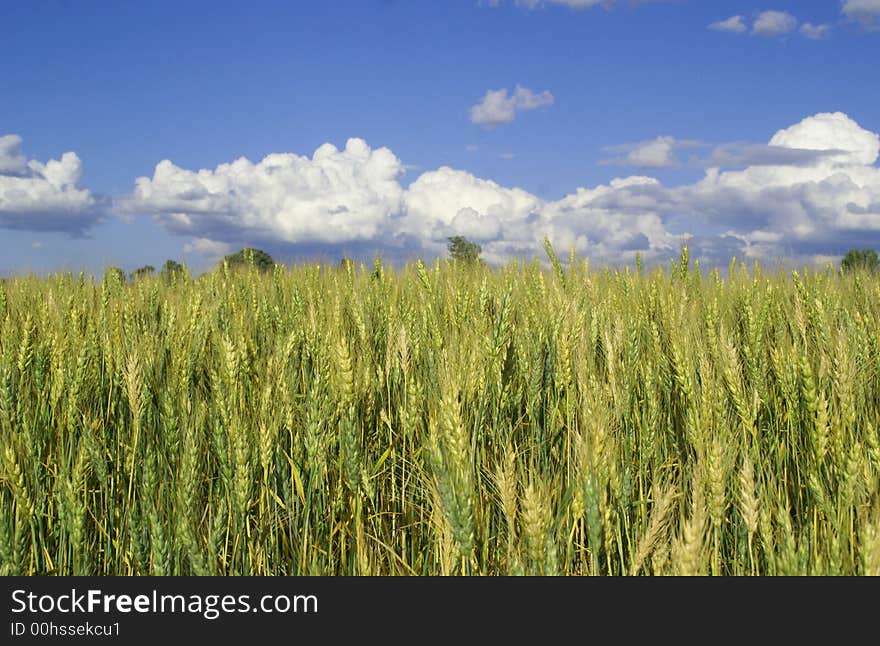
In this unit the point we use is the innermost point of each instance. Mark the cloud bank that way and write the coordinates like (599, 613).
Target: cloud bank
(812, 190)
(36, 196)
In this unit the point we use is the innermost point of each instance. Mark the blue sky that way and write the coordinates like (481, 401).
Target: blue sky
(643, 90)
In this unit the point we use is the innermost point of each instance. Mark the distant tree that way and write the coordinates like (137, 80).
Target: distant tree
(250, 257)
(346, 263)
(859, 259)
(114, 276)
(142, 272)
(173, 270)
(463, 250)
(347, 266)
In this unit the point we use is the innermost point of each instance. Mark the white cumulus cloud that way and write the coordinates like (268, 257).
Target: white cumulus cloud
(785, 209)
(38, 196)
(771, 24)
(448, 202)
(613, 221)
(733, 24)
(832, 131)
(656, 153)
(498, 107)
(774, 23)
(815, 32)
(866, 12)
(337, 195)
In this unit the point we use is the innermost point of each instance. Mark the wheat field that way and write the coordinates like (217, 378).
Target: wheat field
(357, 420)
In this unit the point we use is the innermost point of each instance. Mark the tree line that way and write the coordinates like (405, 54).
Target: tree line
(461, 250)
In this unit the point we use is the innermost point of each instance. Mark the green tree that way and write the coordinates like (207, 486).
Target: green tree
(346, 264)
(173, 270)
(463, 250)
(250, 257)
(859, 259)
(142, 272)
